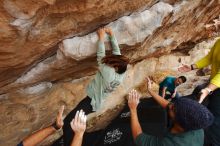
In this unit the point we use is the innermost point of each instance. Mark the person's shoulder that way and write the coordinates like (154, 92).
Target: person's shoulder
(218, 40)
(201, 131)
(167, 77)
(107, 68)
(142, 138)
(166, 80)
(170, 78)
(217, 43)
(197, 133)
(186, 138)
(107, 72)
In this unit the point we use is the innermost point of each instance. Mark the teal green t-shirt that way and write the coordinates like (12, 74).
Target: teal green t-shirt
(191, 138)
(106, 79)
(169, 83)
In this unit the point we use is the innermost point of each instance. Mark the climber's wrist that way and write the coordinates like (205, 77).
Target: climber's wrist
(55, 126)
(193, 67)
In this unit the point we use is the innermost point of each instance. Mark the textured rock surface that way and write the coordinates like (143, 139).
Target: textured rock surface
(171, 33)
(47, 53)
(129, 30)
(30, 30)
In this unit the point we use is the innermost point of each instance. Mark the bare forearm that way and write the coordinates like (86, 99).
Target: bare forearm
(115, 46)
(212, 86)
(39, 136)
(163, 102)
(164, 92)
(174, 93)
(77, 140)
(135, 125)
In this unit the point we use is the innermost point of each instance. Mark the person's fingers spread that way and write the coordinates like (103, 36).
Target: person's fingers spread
(129, 98)
(71, 123)
(132, 93)
(76, 117)
(85, 119)
(133, 97)
(61, 110)
(136, 94)
(77, 114)
(80, 116)
(134, 90)
(129, 93)
(148, 80)
(136, 99)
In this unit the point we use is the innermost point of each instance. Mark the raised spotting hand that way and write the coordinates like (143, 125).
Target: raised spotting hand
(78, 124)
(184, 68)
(133, 99)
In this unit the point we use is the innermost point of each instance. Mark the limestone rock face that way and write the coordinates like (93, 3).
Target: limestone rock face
(39, 51)
(48, 47)
(129, 30)
(30, 30)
